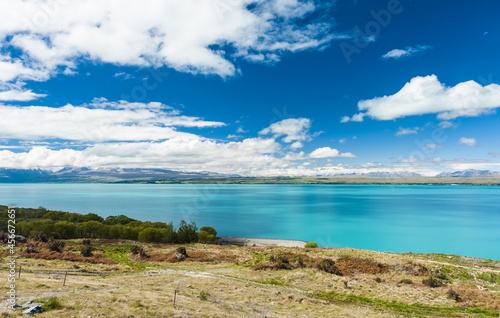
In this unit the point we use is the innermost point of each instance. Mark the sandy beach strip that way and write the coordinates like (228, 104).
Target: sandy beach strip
(259, 242)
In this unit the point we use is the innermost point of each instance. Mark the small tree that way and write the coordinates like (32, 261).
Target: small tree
(187, 233)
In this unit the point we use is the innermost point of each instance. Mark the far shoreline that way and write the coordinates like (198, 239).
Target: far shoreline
(264, 242)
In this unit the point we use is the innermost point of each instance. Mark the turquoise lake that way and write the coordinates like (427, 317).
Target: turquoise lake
(462, 220)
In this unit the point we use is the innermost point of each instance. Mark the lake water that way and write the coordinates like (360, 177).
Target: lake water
(462, 220)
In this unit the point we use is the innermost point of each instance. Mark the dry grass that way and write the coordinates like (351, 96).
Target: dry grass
(144, 286)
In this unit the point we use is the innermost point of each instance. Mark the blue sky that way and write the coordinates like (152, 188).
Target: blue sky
(279, 87)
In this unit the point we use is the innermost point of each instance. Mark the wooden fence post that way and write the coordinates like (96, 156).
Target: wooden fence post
(66, 275)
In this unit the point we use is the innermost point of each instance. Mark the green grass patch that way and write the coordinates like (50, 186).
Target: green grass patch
(490, 278)
(277, 282)
(120, 255)
(259, 258)
(418, 310)
(49, 304)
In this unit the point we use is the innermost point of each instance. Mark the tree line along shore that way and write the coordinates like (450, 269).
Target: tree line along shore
(40, 222)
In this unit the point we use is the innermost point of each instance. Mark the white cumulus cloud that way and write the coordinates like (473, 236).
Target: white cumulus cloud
(407, 131)
(327, 152)
(467, 141)
(426, 95)
(293, 129)
(191, 35)
(99, 121)
(406, 52)
(432, 146)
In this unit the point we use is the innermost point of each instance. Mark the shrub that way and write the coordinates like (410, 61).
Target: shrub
(300, 262)
(66, 230)
(432, 282)
(442, 275)
(86, 242)
(187, 233)
(56, 246)
(311, 245)
(349, 265)
(150, 234)
(30, 248)
(136, 249)
(40, 237)
(182, 250)
(452, 294)
(86, 250)
(280, 262)
(328, 265)
(210, 230)
(206, 238)
(204, 295)
(411, 268)
(52, 304)
(406, 281)
(378, 280)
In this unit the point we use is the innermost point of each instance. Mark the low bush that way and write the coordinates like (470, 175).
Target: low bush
(86, 250)
(52, 304)
(406, 281)
(182, 250)
(453, 294)
(415, 269)
(311, 245)
(441, 275)
(204, 295)
(210, 230)
(280, 262)
(40, 237)
(30, 248)
(328, 265)
(56, 246)
(349, 265)
(136, 249)
(206, 238)
(432, 282)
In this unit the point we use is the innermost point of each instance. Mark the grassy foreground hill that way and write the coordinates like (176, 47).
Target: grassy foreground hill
(248, 281)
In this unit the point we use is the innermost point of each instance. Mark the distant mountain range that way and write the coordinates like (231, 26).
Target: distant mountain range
(469, 173)
(150, 175)
(98, 175)
(402, 174)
